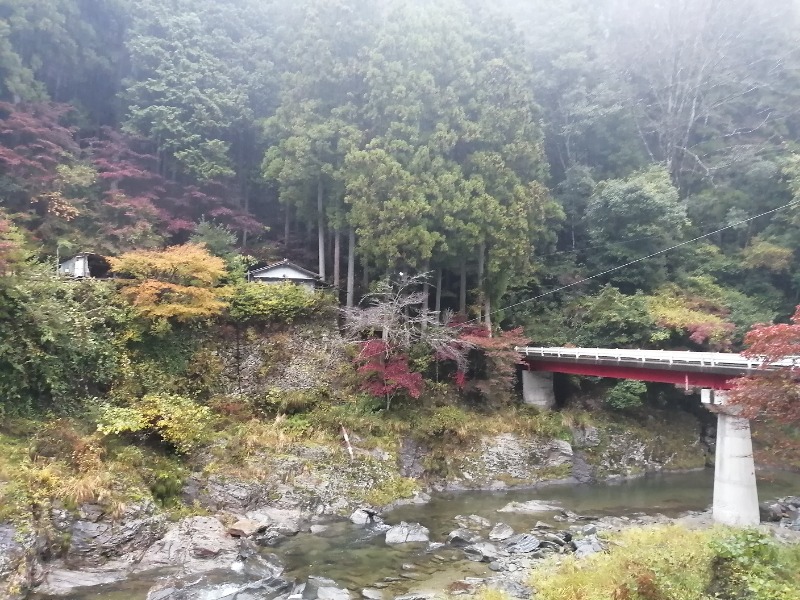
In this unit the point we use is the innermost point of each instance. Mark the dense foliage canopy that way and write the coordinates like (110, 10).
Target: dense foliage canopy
(539, 155)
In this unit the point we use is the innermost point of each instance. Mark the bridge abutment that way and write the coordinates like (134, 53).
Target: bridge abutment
(537, 389)
(735, 489)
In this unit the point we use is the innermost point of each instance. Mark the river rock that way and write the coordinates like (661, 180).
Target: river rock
(472, 522)
(559, 540)
(530, 507)
(462, 537)
(587, 546)
(363, 516)
(285, 521)
(510, 587)
(772, 512)
(500, 532)
(322, 588)
(522, 543)
(407, 532)
(246, 528)
(482, 552)
(372, 594)
(96, 539)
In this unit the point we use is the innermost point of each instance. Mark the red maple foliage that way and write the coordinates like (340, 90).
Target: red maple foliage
(774, 394)
(387, 374)
(500, 356)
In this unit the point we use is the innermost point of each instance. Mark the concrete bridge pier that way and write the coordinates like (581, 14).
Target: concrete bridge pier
(537, 389)
(735, 490)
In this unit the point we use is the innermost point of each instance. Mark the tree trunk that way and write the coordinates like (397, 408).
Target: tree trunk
(487, 305)
(351, 267)
(287, 226)
(462, 299)
(426, 292)
(337, 259)
(439, 294)
(365, 281)
(481, 266)
(321, 229)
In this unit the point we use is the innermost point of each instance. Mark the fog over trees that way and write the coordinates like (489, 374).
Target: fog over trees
(507, 149)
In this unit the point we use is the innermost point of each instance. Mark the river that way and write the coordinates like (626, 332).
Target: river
(356, 559)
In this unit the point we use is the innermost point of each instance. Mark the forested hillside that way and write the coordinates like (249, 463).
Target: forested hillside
(508, 150)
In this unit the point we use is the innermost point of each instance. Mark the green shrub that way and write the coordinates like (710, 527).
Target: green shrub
(626, 394)
(289, 402)
(177, 420)
(750, 565)
(275, 303)
(445, 421)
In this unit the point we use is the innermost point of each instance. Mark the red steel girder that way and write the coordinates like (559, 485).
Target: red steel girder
(714, 381)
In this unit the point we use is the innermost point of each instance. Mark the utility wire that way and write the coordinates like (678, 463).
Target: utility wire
(638, 260)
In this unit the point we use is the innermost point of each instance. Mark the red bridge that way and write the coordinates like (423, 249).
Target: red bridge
(735, 492)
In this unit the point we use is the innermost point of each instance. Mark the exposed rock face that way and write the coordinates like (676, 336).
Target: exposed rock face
(407, 532)
(195, 545)
(18, 565)
(224, 493)
(585, 437)
(411, 458)
(96, 538)
(509, 455)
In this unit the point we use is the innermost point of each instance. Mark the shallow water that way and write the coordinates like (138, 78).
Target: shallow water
(355, 558)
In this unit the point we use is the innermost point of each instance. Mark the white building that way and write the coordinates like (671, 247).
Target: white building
(285, 271)
(77, 266)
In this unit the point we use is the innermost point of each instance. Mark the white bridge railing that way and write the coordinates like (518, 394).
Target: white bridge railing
(660, 358)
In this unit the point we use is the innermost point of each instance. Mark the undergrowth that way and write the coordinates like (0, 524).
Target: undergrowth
(673, 563)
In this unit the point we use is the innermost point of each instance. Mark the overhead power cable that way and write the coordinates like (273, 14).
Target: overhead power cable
(638, 260)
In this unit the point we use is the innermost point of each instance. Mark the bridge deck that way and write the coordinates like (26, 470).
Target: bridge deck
(709, 362)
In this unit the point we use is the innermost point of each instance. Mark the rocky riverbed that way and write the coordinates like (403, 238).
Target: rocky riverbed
(291, 553)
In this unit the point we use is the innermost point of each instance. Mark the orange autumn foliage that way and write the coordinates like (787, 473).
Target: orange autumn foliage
(179, 283)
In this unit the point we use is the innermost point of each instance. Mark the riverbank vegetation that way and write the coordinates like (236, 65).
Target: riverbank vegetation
(673, 563)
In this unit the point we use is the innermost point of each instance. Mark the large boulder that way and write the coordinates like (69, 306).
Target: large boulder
(407, 532)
